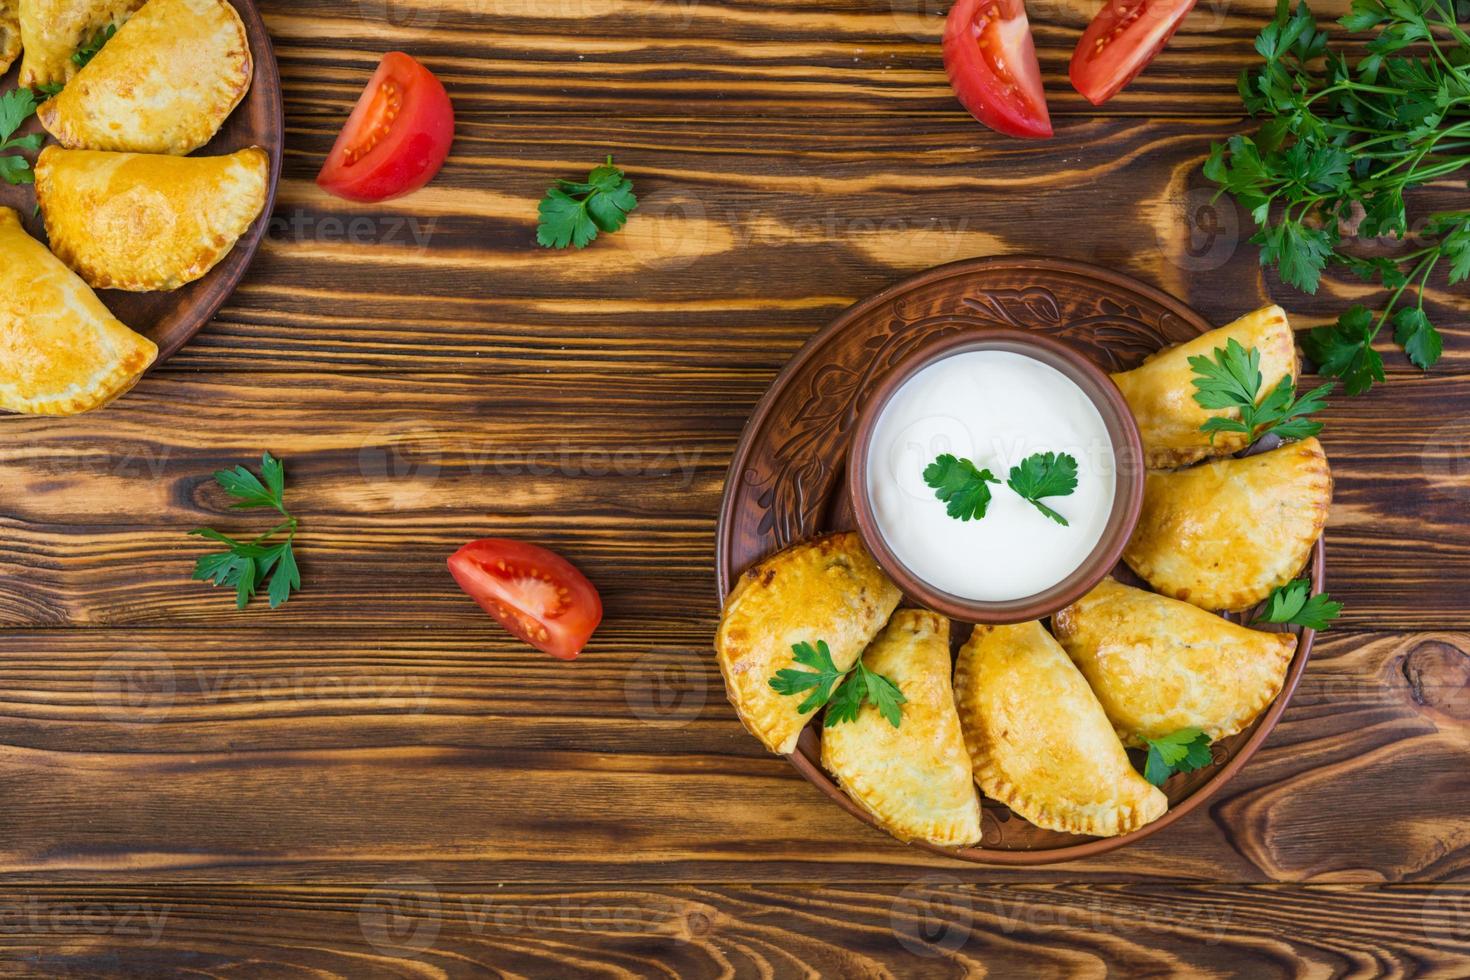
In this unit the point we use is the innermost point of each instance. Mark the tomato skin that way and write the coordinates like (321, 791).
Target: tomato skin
(534, 593)
(1120, 42)
(397, 137)
(991, 62)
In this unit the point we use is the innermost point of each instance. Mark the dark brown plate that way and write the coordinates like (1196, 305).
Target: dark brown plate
(171, 319)
(786, 481)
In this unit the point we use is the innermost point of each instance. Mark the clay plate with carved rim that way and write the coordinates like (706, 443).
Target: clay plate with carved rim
(786, 481)
(171, 319)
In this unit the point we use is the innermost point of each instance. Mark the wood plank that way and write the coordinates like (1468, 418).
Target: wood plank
(459, 755)
(935, 926)
(622, 470)
(451, 279)
(756, 56)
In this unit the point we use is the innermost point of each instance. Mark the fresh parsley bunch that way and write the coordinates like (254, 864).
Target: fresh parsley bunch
(858, 684)
(1340, 145)
(247, 565)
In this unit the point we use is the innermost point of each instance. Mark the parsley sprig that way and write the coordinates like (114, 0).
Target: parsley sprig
(573, 213)
(247, 565)
(16, 106)
(1294, 603)
(961, 485)
(1230, 378)
(1183, 751)
(88, 51)
(1341, 143)
(1045, 475)
(858, 684)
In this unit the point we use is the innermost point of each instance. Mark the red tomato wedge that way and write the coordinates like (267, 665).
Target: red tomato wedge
(536, 594)
(991, 62)
(397, 137)
(1120, 42)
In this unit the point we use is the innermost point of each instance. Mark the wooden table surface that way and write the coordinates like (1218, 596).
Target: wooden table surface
(375, 780)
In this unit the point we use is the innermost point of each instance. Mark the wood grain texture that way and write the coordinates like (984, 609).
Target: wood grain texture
(935, 926)
(265, 755)
(429, 376)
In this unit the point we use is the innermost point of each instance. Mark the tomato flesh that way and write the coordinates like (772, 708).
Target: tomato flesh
(1120, 42)
(991, 62)
(534, 593)
(397, 137)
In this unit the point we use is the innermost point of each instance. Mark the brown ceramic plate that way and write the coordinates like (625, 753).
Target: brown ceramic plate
(171, 319)
(786, 481)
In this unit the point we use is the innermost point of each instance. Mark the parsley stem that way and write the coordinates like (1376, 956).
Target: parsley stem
(289, 523)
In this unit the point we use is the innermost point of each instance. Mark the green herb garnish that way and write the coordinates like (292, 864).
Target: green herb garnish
(1045, 475)
(1183, 751)
(1294, 603)
(89, 50)
(247, 565)
(1340, 145)
(572, 213)
(860, 684)
(1231, 379)
(16, 106)
(964, 487)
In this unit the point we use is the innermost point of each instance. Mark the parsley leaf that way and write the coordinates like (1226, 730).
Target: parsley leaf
(1230, 378)
(1183, 751)
(1294, 603)
(89, 50)
(858, 684)
(818, 680)
(962, 486)
(246, 565)
(1045, 475)
(16, 106)
(573, 213)
(1346, 350)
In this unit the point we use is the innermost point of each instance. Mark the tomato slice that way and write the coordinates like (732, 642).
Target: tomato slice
(991, 62)
(536, 594)
(397, 137)
(1120, 42)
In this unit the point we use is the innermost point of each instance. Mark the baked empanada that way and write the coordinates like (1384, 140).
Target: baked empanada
(51, 31)
(1158, 665)
(1039, 740)
(61, 352)
(164, 84)
(827, 589)
(914, 779)
(1161, 391)
(142, 221)
(1222, 535)
(9, 33)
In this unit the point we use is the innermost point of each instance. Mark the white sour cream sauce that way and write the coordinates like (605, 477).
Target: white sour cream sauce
(994, 408)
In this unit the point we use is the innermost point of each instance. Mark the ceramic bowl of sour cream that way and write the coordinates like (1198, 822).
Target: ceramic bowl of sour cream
(988, 406)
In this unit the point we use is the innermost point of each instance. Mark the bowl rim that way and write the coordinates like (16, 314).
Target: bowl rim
(1123, 434)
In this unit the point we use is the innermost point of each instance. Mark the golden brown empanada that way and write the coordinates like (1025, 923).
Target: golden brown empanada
(9, 33)
(51, 31)
(1222, 535)
(164, 84)
(1161, 391)
(828, 588)
(914, 779)
(1039, 740)
(61, 352)
(1158, 665)
(142, 221)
